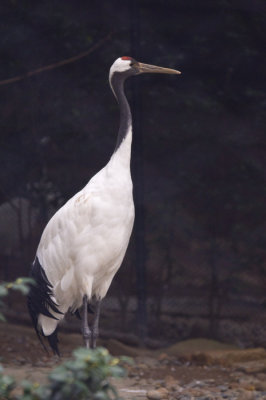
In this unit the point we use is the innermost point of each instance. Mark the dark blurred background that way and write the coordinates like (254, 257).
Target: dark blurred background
(196, 265)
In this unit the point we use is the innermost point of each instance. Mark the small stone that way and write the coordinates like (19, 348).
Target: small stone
(195, 383)
(196, 393)
(210, 381)
(158, 383)
(177, 388)
(159, 394)
(177, 362)
(170, 382)
(222, 388)
(185, 397)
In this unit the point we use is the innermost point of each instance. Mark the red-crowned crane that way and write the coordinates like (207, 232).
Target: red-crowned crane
(84, 243)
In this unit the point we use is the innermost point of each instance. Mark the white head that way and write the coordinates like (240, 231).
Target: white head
(123, 66)
(126, 66)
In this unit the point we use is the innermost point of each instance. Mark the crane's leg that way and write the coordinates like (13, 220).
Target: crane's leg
(86, 332)
(95, 324)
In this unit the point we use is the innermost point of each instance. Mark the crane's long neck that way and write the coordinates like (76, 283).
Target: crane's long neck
(123, 145)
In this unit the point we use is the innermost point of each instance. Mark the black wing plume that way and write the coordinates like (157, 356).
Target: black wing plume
(40, 301)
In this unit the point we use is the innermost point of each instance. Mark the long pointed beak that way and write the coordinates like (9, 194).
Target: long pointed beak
(146, 68)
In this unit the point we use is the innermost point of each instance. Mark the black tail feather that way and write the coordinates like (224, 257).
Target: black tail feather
(40, 302)
(53, 342)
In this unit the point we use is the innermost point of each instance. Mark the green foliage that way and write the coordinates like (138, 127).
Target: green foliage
(83, 377)
(7, 384)
(20, 284)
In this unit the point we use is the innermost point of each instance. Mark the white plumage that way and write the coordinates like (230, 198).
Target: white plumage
(84, 243)
(90, 231)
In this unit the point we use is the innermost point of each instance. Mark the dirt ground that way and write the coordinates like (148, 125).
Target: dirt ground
(194, 369)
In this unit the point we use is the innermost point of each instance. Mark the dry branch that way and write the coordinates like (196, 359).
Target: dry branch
(57, 64)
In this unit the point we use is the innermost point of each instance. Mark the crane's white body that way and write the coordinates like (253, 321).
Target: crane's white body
(84, 243)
